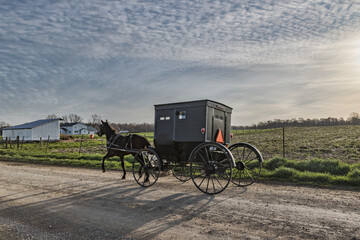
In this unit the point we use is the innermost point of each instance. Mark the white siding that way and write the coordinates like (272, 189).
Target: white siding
(22, 133)
(51, 129)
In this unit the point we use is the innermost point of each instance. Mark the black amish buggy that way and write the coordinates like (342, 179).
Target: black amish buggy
(193, 140)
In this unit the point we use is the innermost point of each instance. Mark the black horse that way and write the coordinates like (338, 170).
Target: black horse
(132, 141)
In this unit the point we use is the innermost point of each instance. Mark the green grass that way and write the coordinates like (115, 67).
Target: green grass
(303, 143)
(315, 171)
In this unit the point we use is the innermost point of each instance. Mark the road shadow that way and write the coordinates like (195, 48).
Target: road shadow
(118, 209)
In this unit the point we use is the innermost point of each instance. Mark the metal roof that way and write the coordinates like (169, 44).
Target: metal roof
(31, 125)
(196, 101)
(191, 104)
(69, 124)
(90, 128)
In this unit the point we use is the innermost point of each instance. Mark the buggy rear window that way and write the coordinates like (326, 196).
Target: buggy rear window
(182, 115)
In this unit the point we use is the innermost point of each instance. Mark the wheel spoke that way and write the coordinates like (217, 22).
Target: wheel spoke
(202, 181)
(218, 181)
(199, 175)
(207, 154)
(204, 160)
(248, 156)
(248, 161)
(152, 174)
(249, 174)
(251, 170)
(213, 184)
(207, 186)
(223, 176)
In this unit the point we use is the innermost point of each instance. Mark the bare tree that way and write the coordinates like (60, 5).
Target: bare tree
(95, 120)
(3, 125)
(65, 119)
(74, 118)
(354, 118)
(52, 116)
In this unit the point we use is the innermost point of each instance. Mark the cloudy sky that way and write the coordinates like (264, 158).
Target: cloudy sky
(267, 59)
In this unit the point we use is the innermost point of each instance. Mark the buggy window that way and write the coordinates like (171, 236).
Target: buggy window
(164, 118)
(182, 115)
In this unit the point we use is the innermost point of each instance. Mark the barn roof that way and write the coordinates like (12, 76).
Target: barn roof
(69, 124)
(32, 124)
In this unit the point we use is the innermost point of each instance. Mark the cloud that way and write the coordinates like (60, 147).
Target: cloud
(267, 59)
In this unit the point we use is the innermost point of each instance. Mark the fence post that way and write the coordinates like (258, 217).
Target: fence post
(17, 142)
(47, 144)
(40, 141)
(81, 143)
(283, 142)
(22, 143)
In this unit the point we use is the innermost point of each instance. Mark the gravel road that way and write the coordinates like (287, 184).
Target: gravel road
(47, 202)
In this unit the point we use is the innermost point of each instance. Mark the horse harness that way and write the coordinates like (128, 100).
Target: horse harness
(112, 140)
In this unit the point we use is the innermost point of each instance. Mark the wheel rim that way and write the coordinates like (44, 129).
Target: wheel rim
(211, 168)
(248, 164)
(146, 168)
(182, 173)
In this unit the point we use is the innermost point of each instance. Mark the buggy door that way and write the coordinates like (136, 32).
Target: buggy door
(164, 132)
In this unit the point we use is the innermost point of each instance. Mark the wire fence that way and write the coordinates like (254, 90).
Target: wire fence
(296, 143)
(300, 143)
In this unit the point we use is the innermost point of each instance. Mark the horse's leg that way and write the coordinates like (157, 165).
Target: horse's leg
(123, 166)
(103, 161)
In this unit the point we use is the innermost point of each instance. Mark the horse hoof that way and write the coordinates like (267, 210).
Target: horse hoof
(103, 170)
(123, 177)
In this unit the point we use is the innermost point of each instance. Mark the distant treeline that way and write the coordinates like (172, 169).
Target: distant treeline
(353, 119)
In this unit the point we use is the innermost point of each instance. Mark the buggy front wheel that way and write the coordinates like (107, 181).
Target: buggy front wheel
(146, 167)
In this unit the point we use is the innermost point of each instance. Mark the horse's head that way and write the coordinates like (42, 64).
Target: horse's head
(104, 128)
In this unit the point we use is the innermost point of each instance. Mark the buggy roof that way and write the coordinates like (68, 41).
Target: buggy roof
(194, 104)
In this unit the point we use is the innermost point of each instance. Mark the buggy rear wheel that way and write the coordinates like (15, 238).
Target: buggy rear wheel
(248, 164)
(211, 167)
(181, 172)
(146, 167)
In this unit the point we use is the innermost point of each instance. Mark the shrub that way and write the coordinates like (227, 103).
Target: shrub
(314, 177)
(354, 174)
(332, 166)
(284, 173)
(274, 163)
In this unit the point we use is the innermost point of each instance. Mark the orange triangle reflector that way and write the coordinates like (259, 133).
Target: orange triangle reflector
(219, 137)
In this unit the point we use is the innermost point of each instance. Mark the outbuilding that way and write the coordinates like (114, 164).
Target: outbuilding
(34, 131)
(77, 129)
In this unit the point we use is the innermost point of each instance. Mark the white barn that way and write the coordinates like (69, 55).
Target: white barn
(33, 131)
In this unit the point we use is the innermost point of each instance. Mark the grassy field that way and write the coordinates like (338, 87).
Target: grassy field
(305, 143)
(315, 155)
